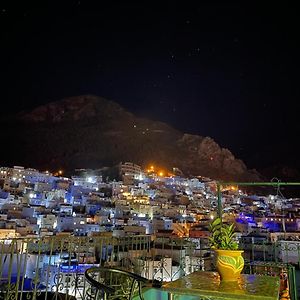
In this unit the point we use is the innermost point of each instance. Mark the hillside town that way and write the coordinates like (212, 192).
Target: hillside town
(151, 202)
(153, 222)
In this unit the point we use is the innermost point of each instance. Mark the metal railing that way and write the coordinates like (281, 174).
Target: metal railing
(284, 251)
(280, 258)
(57, 264)
(52, 265)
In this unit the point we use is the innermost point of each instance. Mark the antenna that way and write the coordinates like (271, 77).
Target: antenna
(280, 195)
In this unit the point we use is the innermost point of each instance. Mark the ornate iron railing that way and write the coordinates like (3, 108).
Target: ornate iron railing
(43, 267)
(280, 258)
(32, 266)
(286, 251)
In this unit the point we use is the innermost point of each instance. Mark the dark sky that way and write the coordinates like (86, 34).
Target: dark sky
(224, 69)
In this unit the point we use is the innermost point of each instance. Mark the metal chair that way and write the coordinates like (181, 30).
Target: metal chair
(112, 283)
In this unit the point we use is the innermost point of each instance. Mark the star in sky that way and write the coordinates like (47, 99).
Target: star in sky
(209, 58)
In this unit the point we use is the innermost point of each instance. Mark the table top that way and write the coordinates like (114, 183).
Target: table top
(208, 286)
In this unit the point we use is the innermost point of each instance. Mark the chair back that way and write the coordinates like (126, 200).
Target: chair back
(112, 283)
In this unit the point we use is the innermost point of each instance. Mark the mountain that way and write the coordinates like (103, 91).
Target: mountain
(283, 172)
(90, 132)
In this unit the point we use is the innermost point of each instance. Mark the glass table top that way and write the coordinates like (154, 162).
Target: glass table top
(208, 286)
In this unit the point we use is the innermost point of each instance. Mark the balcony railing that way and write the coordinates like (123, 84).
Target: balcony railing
(57, 264)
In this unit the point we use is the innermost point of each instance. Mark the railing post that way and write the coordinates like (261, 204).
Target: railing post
(292, 282)
(298, 249)
(219, 200)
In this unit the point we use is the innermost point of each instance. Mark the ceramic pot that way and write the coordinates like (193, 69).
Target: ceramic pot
(230, 264)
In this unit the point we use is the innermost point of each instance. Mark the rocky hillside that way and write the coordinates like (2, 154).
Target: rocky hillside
(90, 132)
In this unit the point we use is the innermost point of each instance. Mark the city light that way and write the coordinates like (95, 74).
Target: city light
(90, 179)
(146, 141)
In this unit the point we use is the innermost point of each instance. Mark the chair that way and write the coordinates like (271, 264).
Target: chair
(112, 283)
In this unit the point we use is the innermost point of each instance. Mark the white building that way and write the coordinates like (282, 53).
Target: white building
(130, 171)
(88, 182)
(47, 221)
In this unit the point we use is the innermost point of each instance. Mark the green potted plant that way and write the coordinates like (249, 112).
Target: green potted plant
(229, 260)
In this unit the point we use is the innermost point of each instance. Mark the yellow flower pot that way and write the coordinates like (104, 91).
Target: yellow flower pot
(229, 263)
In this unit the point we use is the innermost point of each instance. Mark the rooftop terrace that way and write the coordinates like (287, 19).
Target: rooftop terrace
(33, 266)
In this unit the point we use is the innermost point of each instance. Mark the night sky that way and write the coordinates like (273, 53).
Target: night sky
(229, 70)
